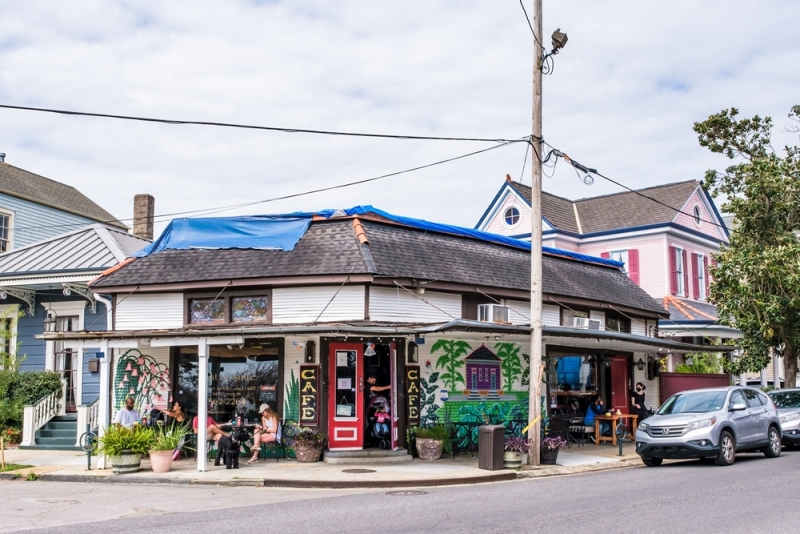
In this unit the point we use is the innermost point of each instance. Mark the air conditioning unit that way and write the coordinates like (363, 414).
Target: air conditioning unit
(586, 323)
(493, 313)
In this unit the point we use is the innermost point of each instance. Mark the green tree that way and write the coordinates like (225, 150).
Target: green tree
(756, 284)
(11, 405)
(511, 366)
(451, 361)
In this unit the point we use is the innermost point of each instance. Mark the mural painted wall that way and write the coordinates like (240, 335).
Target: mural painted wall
(473, 382)
(145, 377)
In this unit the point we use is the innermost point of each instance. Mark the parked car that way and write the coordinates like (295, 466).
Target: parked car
(713, 423)
(788, 404)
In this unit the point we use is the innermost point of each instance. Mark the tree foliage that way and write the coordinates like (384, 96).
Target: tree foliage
(756, 285)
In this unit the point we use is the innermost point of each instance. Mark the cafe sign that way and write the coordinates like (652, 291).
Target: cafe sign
(413, 394)
(309, 395)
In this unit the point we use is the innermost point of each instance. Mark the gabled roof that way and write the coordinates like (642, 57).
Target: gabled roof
(94, 247)
(609, 212)
(29, 186)
(484, 355)
(684, 311)
(378, 246)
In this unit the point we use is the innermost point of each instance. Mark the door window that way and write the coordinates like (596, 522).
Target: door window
(346, 376)
(752, 398)
(737, 398)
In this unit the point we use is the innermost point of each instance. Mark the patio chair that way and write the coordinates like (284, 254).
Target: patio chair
(277, 444)
(579, 432)
(560, 427)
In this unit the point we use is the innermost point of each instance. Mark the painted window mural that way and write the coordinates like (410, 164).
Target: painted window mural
(206, 311)
(140, 376)
(249, 309)
(474, 384)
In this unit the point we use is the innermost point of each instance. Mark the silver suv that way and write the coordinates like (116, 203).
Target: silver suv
(710, 423)
(788, 403)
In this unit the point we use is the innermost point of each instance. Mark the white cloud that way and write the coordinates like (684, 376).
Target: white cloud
(626, 90)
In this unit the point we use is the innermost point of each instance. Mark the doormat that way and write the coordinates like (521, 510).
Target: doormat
(358, 470)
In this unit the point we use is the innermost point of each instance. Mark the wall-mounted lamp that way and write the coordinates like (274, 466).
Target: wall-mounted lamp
(606, 360)
(640, 364)
(413, 354)
(50, 320)
(311, 352)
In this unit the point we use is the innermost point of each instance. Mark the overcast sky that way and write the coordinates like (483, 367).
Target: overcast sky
(626, 89)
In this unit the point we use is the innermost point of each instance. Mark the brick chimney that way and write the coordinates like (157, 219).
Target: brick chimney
(143, 213)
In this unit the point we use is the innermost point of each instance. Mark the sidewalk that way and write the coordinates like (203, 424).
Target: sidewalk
(69, 466)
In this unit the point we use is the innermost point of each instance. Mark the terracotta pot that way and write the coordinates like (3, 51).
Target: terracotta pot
(512, 459)
(161, 461)
(429, 449)
(548, 456)
(307, 453)
(127, 462)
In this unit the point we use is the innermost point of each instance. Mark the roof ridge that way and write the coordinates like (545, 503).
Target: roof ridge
(635, 191)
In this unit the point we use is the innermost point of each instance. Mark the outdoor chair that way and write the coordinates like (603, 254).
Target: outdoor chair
(560, 427)
(277, 444)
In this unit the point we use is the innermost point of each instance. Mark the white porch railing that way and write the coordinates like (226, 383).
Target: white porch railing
(87, 415)
(37, 415)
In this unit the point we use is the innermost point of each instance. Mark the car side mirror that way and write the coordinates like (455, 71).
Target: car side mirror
(738, 407)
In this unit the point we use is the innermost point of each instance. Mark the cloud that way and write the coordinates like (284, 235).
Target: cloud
(625, 92)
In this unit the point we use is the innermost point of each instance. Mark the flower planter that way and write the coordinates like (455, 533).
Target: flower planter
(429, 449)
(307, 453)
(161, 461)
(127, 462)
(512, 460)
(548, 456)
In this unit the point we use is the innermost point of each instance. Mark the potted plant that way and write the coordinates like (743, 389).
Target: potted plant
(308, 445)
(550, 447)
(431, 441)
(125, 447)
(514, 448)
(166, 440)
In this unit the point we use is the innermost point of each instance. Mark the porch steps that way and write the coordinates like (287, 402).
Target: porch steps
(59, 434)
(366, 456)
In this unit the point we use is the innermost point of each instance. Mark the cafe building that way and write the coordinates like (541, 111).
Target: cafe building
(325, 316)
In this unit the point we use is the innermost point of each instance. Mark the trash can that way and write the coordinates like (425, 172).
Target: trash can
(490, 447)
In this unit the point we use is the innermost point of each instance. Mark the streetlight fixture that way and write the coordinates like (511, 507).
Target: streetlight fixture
(50, 321)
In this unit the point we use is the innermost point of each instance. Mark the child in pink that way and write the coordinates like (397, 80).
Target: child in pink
(381, 418)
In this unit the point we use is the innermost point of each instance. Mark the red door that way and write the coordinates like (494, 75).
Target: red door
(619, 384)
(346, 396)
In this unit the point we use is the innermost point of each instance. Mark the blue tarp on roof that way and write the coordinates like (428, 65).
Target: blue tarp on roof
(282, 232)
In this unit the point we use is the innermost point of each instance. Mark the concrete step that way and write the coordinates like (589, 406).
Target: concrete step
(69, 447)
(46, 432)
(366, 456)
(61, 425)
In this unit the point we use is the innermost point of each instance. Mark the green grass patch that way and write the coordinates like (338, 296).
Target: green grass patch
(13, 467)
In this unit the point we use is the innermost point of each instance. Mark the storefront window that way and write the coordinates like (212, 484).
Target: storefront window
(237, 385)
(207, 311)
(572, 381)
(247, 309)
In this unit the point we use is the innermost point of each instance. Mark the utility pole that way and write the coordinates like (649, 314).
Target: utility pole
(534, 408)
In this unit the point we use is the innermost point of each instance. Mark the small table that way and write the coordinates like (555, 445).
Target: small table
(613, 419)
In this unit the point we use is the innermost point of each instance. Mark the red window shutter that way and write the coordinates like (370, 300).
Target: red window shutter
(633, 265)
(685, 275)
(673, 271)
(605, 255)
(705, 273)
(695, 276)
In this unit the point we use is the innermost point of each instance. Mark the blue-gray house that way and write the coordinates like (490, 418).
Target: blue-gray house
(54, 241)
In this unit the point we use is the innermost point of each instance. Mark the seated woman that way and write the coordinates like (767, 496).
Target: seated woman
(177, 415)
(213, 430)
(266, 432)
(596, 408)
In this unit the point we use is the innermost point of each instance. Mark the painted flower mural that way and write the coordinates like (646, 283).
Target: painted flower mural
(142, 377)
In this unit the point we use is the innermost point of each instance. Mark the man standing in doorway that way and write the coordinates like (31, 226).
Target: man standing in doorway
(127, 417)
(372, 388)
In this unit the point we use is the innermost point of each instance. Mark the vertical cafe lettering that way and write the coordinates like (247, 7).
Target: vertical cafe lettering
(309, 395)
(412, 394)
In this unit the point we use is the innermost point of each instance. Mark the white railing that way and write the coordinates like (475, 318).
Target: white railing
(37, 415)
(88, 414)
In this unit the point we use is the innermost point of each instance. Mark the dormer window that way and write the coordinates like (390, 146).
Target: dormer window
(511, 216)
(697, 215)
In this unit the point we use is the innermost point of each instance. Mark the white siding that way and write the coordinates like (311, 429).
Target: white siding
(519, 311)
(157, 311)
(304, 304)
(651, 393)
(398, 305)
(598, 315)
(551, 315)
(638, 326)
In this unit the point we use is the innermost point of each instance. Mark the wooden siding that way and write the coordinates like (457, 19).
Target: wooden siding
(497, 224)
(638, 326)
(304, 304)
(149, 311)
(398, 305)
(519, 311)
(598, 315)
(651, 259)
(706, 226)
(672, 383)
(551, 315)
(652, 395)
(34, 222)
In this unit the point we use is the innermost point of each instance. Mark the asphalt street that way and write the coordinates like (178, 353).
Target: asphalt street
(754, 495)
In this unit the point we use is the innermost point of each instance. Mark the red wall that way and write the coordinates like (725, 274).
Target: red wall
(672, 383)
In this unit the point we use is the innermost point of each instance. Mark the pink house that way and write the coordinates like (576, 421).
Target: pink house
(665, 235)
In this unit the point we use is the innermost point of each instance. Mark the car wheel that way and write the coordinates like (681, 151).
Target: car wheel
(652, 462)
(773, 450)
(727, 449)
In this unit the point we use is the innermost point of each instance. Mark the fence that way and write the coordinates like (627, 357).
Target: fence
(672, 383)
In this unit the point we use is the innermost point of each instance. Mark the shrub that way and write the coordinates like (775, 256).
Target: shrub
(115, 440)
(30, 387)
(310, 438)
(515, 444)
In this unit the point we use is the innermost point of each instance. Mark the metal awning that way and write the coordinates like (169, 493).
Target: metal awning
(620, 341)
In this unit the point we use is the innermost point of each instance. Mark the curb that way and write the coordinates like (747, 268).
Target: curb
(590, 468)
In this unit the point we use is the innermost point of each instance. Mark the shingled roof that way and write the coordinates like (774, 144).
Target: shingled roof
(332, 247)
(612, 212)
(29, 186)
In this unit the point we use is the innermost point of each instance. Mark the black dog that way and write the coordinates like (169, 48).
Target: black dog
(228, 447)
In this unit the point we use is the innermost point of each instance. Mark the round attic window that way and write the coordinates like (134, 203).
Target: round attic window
(697, 219)
(511, 216)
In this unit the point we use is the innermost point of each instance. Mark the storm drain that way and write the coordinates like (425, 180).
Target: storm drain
(409, 492)
(358, 470)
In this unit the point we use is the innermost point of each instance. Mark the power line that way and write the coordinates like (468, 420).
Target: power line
(254, 127)
(528, 20)
(218, 209)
